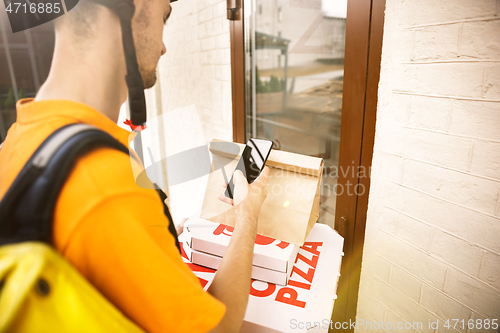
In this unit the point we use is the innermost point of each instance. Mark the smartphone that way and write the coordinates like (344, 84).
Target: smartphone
(252, 161)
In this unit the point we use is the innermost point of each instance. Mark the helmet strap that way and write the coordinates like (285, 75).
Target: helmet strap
(125, 10)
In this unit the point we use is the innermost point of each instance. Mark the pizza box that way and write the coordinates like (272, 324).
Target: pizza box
(258, 273)
(213, 238)
(306, 303)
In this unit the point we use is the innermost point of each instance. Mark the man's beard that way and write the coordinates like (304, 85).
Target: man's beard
(148, 78)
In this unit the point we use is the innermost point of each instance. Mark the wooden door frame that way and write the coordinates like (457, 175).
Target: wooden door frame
(237, 36)
(364, 31)
(363, 51)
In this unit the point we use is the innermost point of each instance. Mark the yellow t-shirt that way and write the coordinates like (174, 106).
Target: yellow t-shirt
(113, 231)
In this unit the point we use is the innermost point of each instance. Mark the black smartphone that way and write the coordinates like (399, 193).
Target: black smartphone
(252, 161)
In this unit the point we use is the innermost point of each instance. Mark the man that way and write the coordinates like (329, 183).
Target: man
(104, 224)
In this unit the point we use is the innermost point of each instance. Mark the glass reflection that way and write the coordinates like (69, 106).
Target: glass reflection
(295, 69)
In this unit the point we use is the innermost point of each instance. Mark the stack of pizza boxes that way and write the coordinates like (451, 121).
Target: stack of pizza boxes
(305, 304)
(206, 242)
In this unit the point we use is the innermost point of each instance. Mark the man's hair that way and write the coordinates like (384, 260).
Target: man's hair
(81, 19)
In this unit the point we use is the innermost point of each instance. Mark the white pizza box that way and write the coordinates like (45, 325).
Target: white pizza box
(213, 238)
(306, 303)
(211, 261)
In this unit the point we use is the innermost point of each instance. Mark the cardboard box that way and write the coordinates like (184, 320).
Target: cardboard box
(306, 303)
(211, 261)
(213, 238)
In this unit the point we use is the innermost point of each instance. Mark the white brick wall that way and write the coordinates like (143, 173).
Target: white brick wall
(432, 245)
(196, 68)
(194, 79)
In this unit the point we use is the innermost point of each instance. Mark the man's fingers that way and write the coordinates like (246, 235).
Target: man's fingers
(239, 178)
(180, 227)
(264, 175)
(225, 199)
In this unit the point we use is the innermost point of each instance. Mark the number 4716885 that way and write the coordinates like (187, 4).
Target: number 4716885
(471, 324)
(34, 8)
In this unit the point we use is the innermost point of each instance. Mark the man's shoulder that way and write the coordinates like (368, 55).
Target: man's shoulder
(101, 181)
(111, 171)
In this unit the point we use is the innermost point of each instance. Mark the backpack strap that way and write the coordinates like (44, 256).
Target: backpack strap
(27, 209)
(171, 226)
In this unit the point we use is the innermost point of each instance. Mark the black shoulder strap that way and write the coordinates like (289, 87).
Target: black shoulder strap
(27, 208)
(171, 226)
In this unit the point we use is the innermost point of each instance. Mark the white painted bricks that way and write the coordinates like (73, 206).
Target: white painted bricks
(197, 69)
(460, 187)
(490, 270)
(405, 282)
(418, 12)
(474, 293)
(442, 305)
(436, 42)
(486, 47)
(432, 244)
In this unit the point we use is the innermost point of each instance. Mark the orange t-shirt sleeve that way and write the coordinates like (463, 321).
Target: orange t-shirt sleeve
(125, 250)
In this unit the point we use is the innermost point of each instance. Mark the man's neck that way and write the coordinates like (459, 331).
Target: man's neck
(92, 74)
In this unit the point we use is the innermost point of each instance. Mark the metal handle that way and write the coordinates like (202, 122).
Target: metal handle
(342, 226)
(233, 10)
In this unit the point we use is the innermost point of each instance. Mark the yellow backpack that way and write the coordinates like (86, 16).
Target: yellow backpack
(39, 290)
(42, 293)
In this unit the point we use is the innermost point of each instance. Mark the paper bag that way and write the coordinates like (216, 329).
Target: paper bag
(292, 205)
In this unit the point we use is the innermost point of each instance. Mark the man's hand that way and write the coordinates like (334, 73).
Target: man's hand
(180, 227)
(231, 284)
(248, 198)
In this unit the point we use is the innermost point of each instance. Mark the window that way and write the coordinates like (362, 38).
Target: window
(25, 59)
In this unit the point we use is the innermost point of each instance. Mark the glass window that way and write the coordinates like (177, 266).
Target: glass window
(295, 70)
(25, 59)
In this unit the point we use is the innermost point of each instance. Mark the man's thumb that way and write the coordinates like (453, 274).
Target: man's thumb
(239, 178)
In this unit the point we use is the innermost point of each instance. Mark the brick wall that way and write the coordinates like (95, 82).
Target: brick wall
(432, 246)
(191, 102)
(196, 68)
